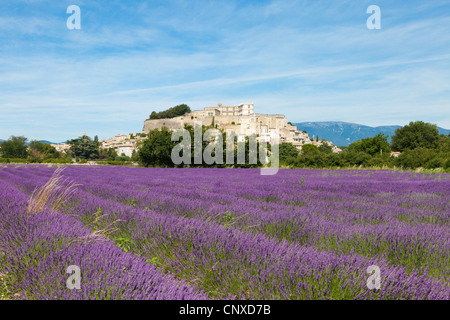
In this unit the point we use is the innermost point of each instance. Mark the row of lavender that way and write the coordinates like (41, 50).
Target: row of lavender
(234, 232)
(37, 249)
(398, 216)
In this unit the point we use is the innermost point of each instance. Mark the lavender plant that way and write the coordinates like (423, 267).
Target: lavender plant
(230, 233)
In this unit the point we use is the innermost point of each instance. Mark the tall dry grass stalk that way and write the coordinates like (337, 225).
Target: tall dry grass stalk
(53, 194)
(102, 234)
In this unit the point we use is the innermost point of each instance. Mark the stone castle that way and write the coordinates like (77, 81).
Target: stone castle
(243, 121)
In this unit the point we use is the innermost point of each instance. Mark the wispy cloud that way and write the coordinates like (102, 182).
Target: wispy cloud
(308, 60)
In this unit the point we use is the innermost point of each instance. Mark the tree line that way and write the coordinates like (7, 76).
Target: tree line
(82, 149)
(156, 150)
(171, 112)
(419, 143)
(16, 149)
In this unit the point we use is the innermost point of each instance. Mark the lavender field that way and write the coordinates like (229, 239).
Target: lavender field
(153, 233)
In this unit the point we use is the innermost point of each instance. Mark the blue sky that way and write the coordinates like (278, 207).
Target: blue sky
(310, 60)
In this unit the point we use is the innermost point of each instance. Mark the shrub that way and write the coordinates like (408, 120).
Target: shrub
(13, 160)
(171, 112)
(60, 160)
(412, 159)
(434, 163)
(447, 164)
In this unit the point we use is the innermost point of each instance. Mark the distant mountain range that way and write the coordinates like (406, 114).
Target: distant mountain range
(344, 133)
(338, 132)
(43, 141)
(49, 142)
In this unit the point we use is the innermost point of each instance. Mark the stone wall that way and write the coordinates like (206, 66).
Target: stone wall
(189, 119)
(264, 125)
(172, 124)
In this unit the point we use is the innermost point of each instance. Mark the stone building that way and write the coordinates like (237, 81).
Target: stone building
(122, 144)
(243, 121)
(61, 147)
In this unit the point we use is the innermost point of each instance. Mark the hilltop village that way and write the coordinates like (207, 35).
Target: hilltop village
(417, 145)
(241, 119)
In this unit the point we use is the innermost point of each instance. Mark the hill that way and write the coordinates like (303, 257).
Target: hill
(344, 133)
(49, 142)
(43, 141)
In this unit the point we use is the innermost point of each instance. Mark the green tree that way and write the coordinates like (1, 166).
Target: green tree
(417, 134)
(309, 149)
(156, 149)
(134, 156)
(356, 158)
(373, 145)
(38, 151)
(248, 153)
(335, 160)
(108, 154)
(14, 147)
(287, 151)
(84, 147)
(310, 157)
(419, 157)
(444, 143)
(153, 115)
(122, 157)
(173, 112)
(311, 160)
(224, 148)
(325, 148)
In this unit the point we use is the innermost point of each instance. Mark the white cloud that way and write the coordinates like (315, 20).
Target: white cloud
(110, 76)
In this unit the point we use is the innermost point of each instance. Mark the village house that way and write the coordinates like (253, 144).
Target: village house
(122, 144)
(395, 154)
(61, 147)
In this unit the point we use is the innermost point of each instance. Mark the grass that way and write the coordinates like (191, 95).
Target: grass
(6, 292)
(51, 195)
